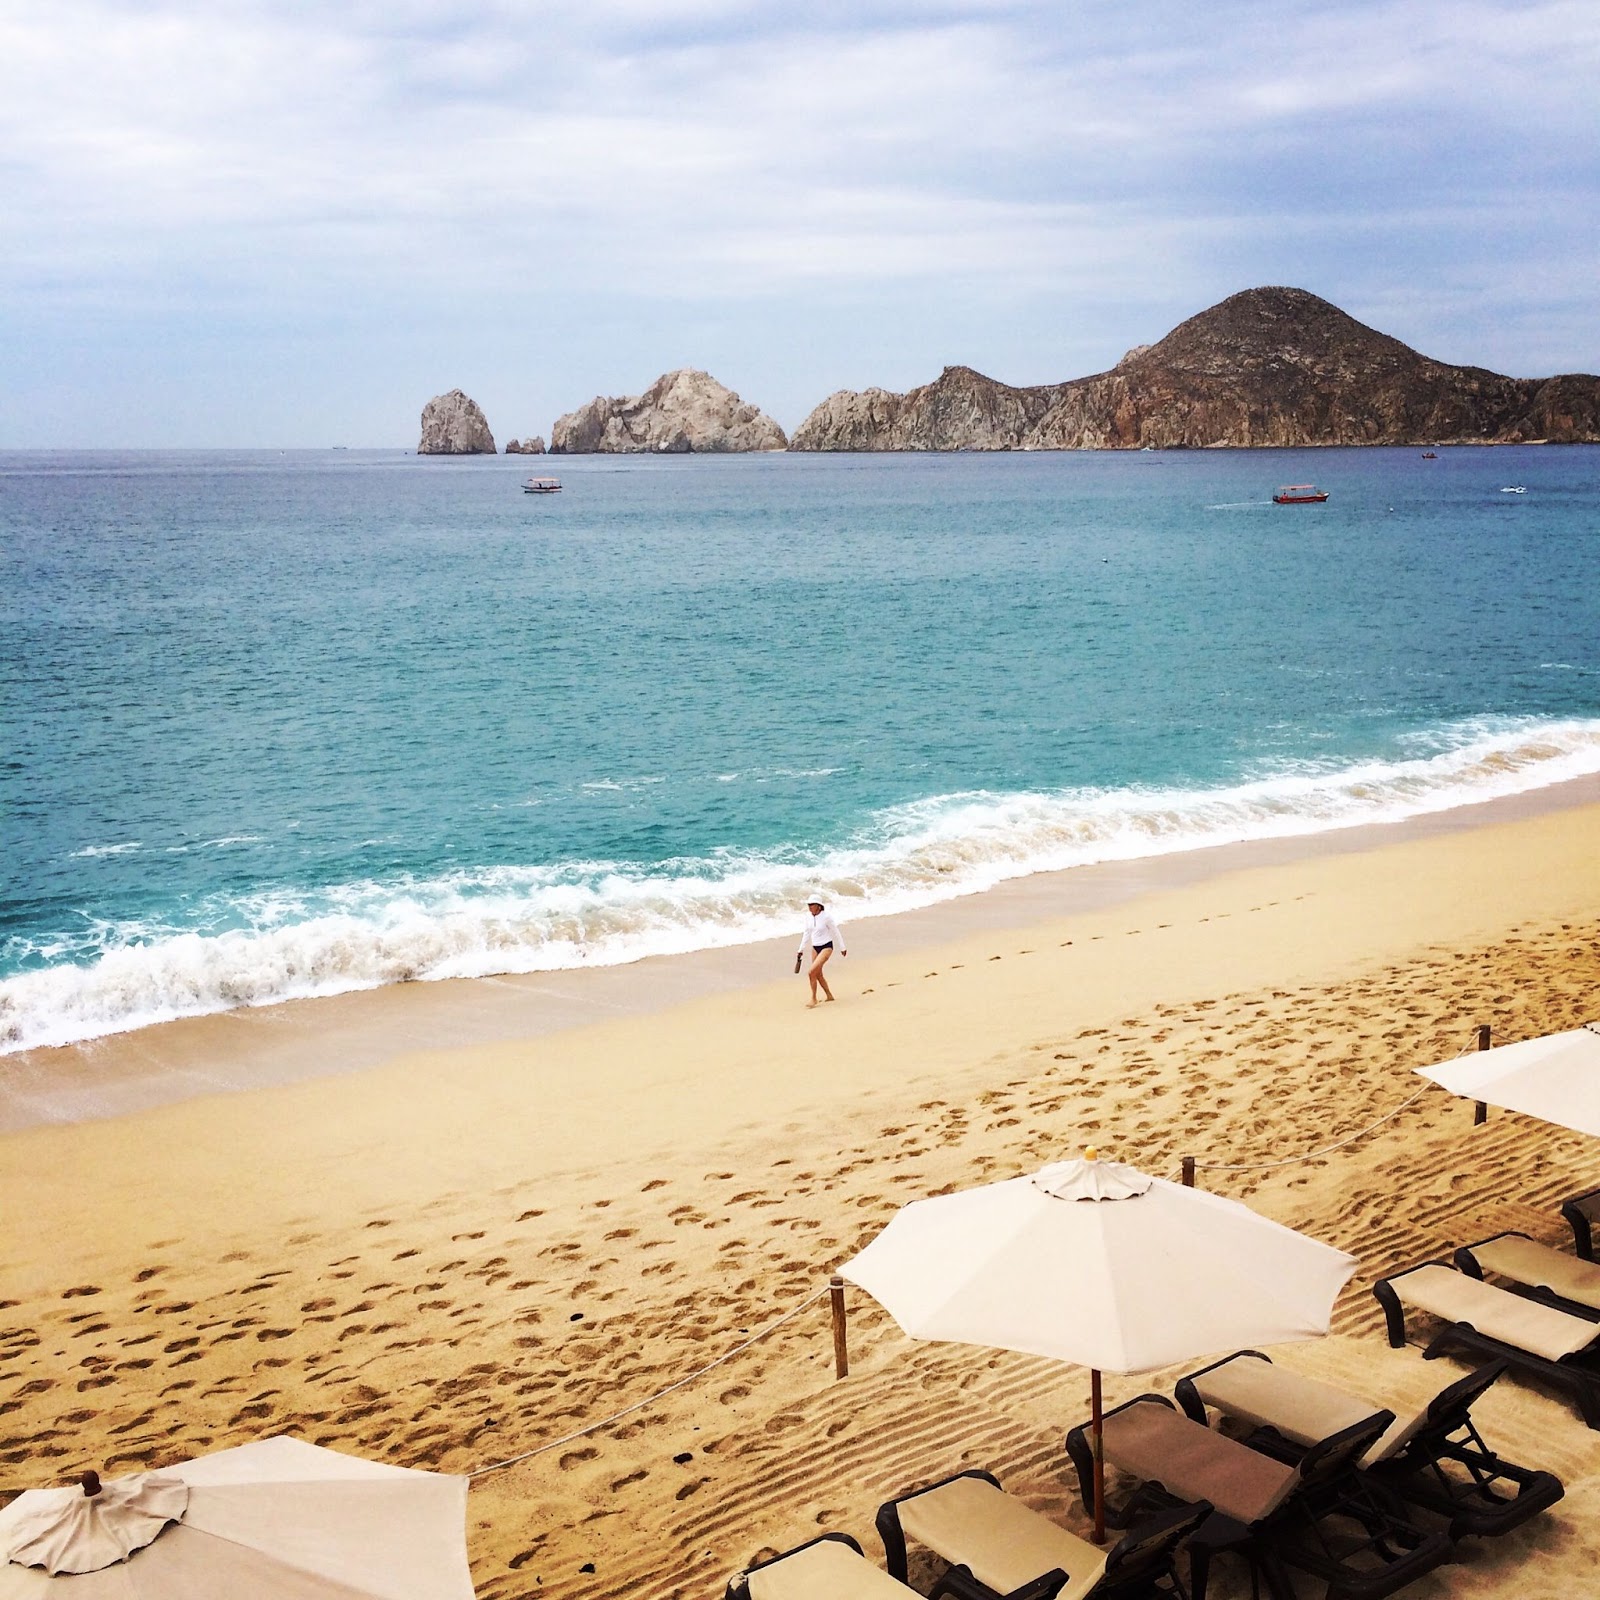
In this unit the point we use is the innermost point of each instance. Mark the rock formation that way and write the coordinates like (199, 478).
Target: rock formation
(453, 425)
(960, 410)
(526, 447)
(680, 412)
(1265, 367)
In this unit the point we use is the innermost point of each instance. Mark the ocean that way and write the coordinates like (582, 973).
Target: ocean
(287, 724)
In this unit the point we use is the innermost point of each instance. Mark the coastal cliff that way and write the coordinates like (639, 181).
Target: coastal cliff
(1268, 366)
(681, 412)
(454, 425)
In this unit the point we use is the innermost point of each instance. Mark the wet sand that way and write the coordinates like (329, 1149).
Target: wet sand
(296, 1040)
(453, 1255)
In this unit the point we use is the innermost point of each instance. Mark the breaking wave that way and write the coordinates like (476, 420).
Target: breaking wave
(279, 944)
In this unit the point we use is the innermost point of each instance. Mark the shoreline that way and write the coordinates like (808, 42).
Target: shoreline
(293, 1041)
(467, 1253)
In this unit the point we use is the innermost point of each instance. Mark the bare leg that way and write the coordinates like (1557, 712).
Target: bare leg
(817, 976)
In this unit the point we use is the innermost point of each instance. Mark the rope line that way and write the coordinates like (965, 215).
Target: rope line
(811, 1299)
(1313, 1155)
(661, 1394)
(1316, 1155)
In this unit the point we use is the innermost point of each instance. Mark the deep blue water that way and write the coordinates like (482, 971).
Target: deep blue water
(292, 723)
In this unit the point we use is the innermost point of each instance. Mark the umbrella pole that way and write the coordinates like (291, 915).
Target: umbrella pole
(1480, 1112)
(841, 1349)
(1099, 1457)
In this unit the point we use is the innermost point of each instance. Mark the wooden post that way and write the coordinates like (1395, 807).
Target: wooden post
(1480, 1112)
(841, 1350)
(1188, 1172)
(1096, 1432)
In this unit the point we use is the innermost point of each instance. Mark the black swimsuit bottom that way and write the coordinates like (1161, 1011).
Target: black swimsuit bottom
(827, 946)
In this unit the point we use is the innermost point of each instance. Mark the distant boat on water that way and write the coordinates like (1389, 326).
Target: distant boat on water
(1514, 488)
(542, 486)
(1299, 494)
(1430, 455)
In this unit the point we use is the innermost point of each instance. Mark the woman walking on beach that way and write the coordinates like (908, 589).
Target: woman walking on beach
(821, 936)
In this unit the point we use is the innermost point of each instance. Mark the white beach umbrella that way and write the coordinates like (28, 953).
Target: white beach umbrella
(1555, 1078)
(1099, 1264)
(275, 1520)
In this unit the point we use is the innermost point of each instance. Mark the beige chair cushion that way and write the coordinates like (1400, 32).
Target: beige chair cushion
(1523, 1324)
(826, 1571)
(1159, 1445)
(1540, 1267)
(1005, 1543)
(1301, 1409)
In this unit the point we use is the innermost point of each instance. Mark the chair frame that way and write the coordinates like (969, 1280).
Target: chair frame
(1481, 1506)
(950, 1584)
(1151, 1575)
(1301, 1532)
(1581, 1223)
(1468, 1263)
(1578, 1375)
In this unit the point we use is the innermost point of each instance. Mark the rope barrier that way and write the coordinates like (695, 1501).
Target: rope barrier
(811, 1299)
(1313, 1155)
(661, 1394)
(1317, 1155)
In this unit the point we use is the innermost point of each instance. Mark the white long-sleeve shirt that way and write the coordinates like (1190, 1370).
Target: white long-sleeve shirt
(822, 929)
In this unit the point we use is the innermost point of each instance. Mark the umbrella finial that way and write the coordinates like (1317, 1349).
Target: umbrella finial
(91, 1484)
(1091, 1179)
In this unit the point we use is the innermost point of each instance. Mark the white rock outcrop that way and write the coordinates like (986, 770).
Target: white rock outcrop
(454, 425)
(681, 412)
(533, 446)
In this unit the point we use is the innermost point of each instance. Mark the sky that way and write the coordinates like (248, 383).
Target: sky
(283, 223)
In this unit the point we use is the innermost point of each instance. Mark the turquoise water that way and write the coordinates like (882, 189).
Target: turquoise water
(285, 724)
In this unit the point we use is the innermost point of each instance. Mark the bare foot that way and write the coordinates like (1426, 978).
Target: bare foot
(811, 1005)
(831, 998)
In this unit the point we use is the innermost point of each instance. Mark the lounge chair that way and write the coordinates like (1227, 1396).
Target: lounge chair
(1553, 1345)
(829, 1567)
(1001, 1547)
(1582, 1211)
(1433, 1458)
(1536, 1270)
(1316, 1514)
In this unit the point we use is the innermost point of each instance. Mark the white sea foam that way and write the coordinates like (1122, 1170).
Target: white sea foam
(90, 851)
(506, 919)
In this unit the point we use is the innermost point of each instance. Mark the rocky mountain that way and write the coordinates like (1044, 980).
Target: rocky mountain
(531, 446)
(453, 425)
(680, 412)
(1265, 367)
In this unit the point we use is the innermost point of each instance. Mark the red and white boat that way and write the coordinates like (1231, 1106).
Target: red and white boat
(1299, 494)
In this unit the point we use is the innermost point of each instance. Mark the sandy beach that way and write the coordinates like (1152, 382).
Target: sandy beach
(451, 1255)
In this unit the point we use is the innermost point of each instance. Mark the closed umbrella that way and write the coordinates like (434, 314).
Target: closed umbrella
(275, 1520)
(1555, 1078)
(1101, 1265)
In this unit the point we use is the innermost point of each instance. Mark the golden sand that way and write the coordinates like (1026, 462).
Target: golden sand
(449, 1258)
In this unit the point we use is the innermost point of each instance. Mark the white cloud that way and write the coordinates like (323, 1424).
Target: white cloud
(292, 162)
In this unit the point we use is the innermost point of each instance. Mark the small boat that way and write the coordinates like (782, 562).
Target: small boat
(1430, 455)
(1514, 488)
(542, 486)
(1299, 494)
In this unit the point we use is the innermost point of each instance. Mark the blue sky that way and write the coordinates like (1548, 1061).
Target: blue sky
(272, 222)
